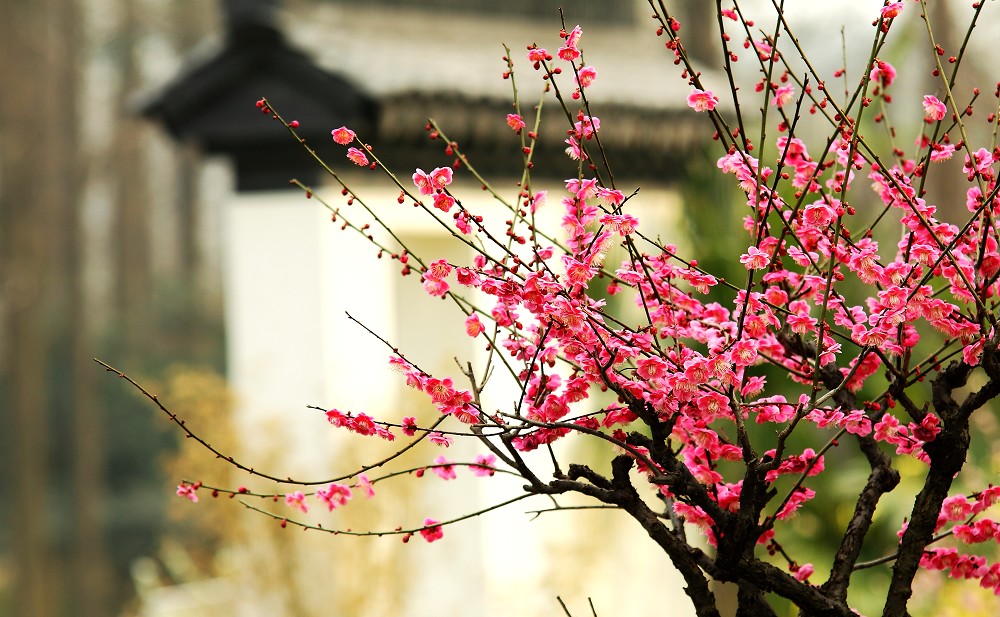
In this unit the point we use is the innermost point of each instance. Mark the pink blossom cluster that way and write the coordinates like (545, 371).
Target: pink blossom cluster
(675, 384)
(963, 566)
(446, 398)
(361, 423)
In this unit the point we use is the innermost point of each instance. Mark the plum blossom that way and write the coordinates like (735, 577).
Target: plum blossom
(444, 202)
(485, 465)
(515, 122)
(803, 572)
(439, 439)
(335, 495)
(587, 126)
(431, 530)
(942, 152)
(586, 76)
(474, 327)
(362, 424)
(892, 10)
(623, 224)
(782, 95)
(933, 108)
(571, 51)
(435, 287)
(882, 73)
(365, 485)
(755, 259)
(409, 426)
(187, 491)
(574, 151)
(357, 157)
(343, 135)
(702, 100)
(538, 55)
(444, 468)
(428, 183)
(297, 500)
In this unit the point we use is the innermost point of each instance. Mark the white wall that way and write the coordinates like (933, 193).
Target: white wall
(289, 277)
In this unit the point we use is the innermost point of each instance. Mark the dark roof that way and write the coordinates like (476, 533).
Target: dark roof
(641, 143)
(212, 102)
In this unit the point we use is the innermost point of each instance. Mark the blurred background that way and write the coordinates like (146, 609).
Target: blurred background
(145, 220)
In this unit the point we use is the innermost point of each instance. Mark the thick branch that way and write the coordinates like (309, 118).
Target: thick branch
(991, 364)
(681, 554)
(882, 479)
(810, 599)
(752, 602)
(947, 454)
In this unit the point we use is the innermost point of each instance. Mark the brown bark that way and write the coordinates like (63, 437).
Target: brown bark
(132, 233)
(29, 186)
(90, 570)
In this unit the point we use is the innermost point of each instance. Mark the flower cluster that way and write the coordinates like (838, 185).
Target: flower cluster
(851, 285)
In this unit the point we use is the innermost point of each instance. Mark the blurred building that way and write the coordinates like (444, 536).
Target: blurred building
(290, 276)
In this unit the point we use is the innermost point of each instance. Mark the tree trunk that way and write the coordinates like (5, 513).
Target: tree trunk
(29, 187)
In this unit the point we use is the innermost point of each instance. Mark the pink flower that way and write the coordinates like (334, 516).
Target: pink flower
(587, 126)
(357, 157)
(343, 135)
(297, 500)
(577, 273)
(439, 439)
(612, 197)
(571, 51)
(782, 95)
(427, 183)
(942, 152)
(515, 122)
(623, 224)
(423, 182)
(882, 73)
(933, 108)
(187, 491)
(362, 424)
(803, 572)
(334, 495)
(538, 200)
(441, 177)
(651, 368)
(409, 426)
(435, 287)
(365, 485)
(538, 55)
(462, 223)
(485, 465)
(702, 100)
(574, 151)
(743, 353)
(892, 10)
(444, 202)
(955, 508)
(755, 259)
(444, 470)
(586, 76)
(337, 418)
(439, 269)
(473, 327)
(432, 530)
